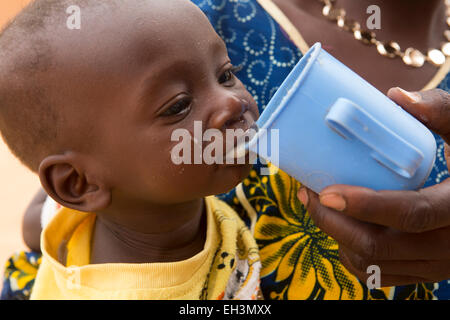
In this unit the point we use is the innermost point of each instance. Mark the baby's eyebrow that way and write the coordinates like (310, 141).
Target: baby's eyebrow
(153, 85)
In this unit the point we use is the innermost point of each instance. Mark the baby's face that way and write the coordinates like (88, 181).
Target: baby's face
(141, 76)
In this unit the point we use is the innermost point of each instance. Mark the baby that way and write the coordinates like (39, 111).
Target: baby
(92, 111)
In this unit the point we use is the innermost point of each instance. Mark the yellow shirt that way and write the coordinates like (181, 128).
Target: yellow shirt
(229, 250)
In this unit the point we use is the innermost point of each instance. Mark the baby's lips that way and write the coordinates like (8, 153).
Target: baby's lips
(238, 147)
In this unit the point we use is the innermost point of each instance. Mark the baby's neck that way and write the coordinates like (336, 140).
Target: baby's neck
(162, 234)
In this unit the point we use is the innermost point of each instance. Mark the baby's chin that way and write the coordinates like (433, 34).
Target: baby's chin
(234, 175)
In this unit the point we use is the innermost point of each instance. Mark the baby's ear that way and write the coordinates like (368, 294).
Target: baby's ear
(64, 179)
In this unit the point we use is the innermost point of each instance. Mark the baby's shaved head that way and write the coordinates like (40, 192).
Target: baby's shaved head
(29, 119)
(94, 110)
(39, 56)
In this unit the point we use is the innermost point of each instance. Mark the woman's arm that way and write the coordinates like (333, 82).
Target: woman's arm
(31, 226)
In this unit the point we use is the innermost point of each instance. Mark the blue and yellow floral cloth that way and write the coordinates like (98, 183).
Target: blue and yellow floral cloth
(20, 272)
(299, 261)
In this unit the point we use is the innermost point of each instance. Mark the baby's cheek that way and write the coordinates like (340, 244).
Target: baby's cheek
(190, 181)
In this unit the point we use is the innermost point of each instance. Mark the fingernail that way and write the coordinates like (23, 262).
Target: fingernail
(303, 196)
(413, 97)
(333, 201)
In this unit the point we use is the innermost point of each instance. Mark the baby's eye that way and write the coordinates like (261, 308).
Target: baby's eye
(228, 76)
(178, 108)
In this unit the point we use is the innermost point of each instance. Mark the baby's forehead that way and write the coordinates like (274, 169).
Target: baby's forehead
(138, 30)
(110, 55)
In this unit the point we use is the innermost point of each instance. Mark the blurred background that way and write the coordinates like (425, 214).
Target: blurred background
(17, 183)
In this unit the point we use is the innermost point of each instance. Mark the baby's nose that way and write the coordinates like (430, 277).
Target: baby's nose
(229, 113)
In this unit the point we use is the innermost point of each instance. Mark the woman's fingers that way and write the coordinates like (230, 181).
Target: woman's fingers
(386, 280)
(431, 107)
(375, 241)
(431, 270)
(408, 211)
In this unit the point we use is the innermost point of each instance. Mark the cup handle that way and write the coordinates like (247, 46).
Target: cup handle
(351, 121)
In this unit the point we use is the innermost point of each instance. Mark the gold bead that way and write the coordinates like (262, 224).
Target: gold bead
(448, 21)
(414, 58)
(446, 49)
(388, 49)
(341, 22)
(436, 57)
(447, 34)
(367, 37)
(348, 24)
(333, 13)
(326, 10)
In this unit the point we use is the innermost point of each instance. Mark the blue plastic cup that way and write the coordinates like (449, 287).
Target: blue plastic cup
(336, 128)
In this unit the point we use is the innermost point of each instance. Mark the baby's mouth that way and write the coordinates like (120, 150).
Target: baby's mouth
(236, 145)
(243, 122)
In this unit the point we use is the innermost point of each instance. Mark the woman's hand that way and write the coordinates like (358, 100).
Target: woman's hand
(405, 233)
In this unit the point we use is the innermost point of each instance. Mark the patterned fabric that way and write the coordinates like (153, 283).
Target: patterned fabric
(299, 261)
(20, 272)
(236, 261)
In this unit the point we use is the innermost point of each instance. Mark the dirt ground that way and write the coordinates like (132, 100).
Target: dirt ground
(17, 183)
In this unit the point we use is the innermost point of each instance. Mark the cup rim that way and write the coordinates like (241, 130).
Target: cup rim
(310, 58)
